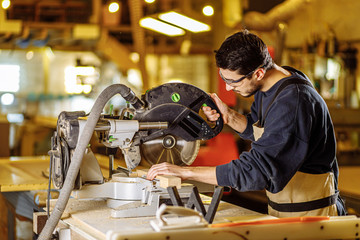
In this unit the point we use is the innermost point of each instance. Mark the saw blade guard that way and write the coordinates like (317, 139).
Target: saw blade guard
(180, 105)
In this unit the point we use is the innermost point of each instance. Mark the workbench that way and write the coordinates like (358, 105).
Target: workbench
(92, 219)
(31, 173)
(349, 185)
(84, 219)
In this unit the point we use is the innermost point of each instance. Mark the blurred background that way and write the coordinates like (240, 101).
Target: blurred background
(58, 55)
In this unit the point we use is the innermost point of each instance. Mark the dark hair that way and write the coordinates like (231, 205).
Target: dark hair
(243, 52)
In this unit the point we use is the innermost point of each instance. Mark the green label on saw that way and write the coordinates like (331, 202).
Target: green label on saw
(175, 97)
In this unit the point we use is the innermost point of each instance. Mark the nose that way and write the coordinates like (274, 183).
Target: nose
(228, 87)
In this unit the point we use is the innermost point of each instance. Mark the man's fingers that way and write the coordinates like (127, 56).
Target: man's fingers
(211, 114)
(156, 169)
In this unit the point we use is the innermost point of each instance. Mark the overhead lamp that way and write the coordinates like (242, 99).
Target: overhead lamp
(7, 98)
(184, 22)
(208, 10)
(161, 27)
(5, 4)
(113, 7)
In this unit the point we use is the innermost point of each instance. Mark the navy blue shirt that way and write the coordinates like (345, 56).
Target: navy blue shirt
(298, 136)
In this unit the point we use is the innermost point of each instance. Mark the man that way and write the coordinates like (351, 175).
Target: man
(292, 155)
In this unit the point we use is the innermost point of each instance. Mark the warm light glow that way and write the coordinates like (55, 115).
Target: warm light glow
(7, 99)
(161, 27)
(333, 69)
(10, 78)
(49, 53)
(175, 80)
(84, 71)
(134, 77)
(87, 88)
(29, 55)
(208, 10)
(135, 57)
(149, 1)
(5, 4)
(184, 22)
(15, 117)
(71, 79)
(113, 7)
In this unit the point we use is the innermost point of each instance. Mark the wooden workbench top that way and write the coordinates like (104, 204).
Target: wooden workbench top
(92, 219)
(23, 173)
(30, 173)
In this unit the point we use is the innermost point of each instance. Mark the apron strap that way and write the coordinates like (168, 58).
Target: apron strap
(304, 206)
(294, 80)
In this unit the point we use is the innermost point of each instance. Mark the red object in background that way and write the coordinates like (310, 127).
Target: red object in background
(228, 97)
(222, 148)
(271, 50)
(219, 150)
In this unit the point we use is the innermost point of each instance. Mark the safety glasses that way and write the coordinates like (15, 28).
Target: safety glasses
(229, 82)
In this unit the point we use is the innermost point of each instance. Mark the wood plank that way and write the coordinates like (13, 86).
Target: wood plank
(165, 180)
(169, 181)
(39, 220)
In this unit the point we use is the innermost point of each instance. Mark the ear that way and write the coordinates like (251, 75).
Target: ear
(259, 74)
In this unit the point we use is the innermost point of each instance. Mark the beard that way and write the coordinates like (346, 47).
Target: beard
(253, 88)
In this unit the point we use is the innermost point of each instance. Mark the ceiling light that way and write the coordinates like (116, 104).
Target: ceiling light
(184, 22)
(7, 98)
(149, 1)
(161, 27)
(208, 10)
(135, 57)
(5, 4)
(113, 7)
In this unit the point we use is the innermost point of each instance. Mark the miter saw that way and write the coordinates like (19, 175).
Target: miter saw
(164, 126)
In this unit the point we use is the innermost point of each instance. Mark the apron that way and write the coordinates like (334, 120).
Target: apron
(305, 194)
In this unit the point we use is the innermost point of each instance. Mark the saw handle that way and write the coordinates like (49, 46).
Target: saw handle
(219, 123)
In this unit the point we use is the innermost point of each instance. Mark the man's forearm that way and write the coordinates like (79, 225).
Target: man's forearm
(201, 174)
(237, 121)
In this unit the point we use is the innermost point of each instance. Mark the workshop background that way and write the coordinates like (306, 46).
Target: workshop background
(58, 55)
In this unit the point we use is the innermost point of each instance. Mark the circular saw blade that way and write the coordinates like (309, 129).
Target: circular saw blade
(170, 149)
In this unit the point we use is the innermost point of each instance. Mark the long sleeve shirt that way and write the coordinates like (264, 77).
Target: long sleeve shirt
(298, 136)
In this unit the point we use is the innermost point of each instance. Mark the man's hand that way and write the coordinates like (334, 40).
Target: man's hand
(232, 118)
(166, 169)
(201, 174)
(212, 115)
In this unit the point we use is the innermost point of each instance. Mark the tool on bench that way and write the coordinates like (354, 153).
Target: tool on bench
(165, 125)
